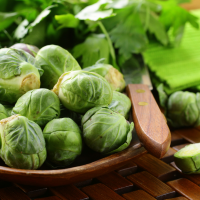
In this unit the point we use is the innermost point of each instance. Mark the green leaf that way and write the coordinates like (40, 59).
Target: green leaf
(129, 35)
(117, 4)
(41, 16)
(21, 30)
(67, 20)
(156, 27)
(6, 19)
(183, 1)
(36, 29)
(163, 98)
(148, 15)
(95, 11)
(76, 1)
(30, 13)
(131, 70)
(175, 19)
(92, 49)
(37, 35)
(3, 5)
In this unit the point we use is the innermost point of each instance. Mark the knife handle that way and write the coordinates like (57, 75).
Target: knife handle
(150, 124)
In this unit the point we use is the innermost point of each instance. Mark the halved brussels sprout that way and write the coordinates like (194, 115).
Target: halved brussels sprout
(3, 112)
(188, 159)
(55, 61)
(39, 105)
(19, 73)
(22, 143)
(79, 90)
(26, 47)
(112, 75)
(63, 141)
(120, 104)
(105, 131)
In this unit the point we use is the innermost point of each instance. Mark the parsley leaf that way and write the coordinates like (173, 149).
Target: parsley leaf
(6, 19)
(21, 30)
(95, 11)
(129, 35)
(67, 20)
(175, 20)
(92, 49)
(132, 71)
(128, 29)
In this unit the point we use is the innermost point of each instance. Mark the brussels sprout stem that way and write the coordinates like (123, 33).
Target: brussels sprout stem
(112, 51)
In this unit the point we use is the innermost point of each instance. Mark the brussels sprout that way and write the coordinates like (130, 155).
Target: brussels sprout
(39, 105)
(112, 75)
(19, 73)
(105, 131)
(188, 159)
(79, 90)
(3, 112)
(63, 141)
(22, 143)
(182, 109)
(55, 61)
(120, 104)
(8, 109)
(26, 47)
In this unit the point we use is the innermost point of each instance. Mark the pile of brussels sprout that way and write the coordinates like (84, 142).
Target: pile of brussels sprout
(50, 107)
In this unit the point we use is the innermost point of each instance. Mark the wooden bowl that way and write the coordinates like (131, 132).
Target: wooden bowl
(151, 129)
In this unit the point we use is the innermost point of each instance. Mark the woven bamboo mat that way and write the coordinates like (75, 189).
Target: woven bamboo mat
(144, 178)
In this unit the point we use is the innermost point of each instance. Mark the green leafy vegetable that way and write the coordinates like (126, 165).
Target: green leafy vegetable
(129, 37)
(6, 19)
(21, 30)
(41, 16)
(172, 21)
(67, 20)
(131, 70)
(95, 29)
(95, 12)
(92, 49)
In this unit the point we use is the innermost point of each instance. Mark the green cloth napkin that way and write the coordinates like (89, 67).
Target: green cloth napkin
(177, 68)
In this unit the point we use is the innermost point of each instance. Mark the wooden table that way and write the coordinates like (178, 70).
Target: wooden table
(144, 178)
